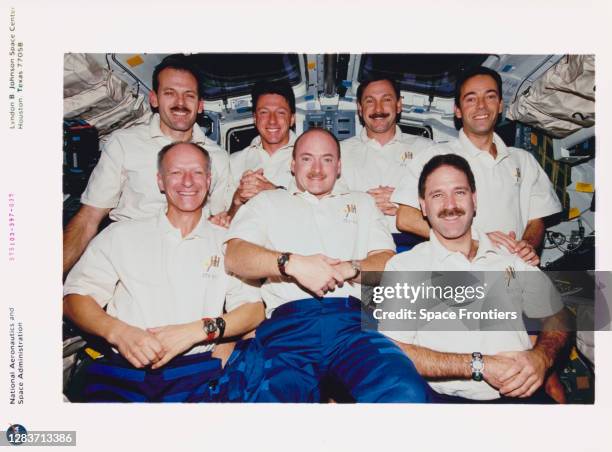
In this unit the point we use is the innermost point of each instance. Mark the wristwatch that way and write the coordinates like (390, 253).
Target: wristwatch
(282, 261)
(211, 326)
(477, 365)
(357, 267)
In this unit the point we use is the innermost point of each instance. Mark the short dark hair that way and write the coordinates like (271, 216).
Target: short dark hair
(364, 84)
(478, 70)
(162, 153)
(312, 130)
(452, 160)
(180, 62)
(281, 88)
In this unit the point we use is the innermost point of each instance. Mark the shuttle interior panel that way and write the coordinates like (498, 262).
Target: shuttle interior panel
(416, 129)
(240, 137)
(231, 75)
(339, 122)
(430, 74)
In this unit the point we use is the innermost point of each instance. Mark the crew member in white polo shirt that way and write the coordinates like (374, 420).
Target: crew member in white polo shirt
(163, 283)
(514, 193)
(310, 243)
(476, 365)
(123, 181)
(265, 163)
(376, 160)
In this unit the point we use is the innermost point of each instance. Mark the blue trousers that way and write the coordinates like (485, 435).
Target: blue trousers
(307, 341)
(113, 379)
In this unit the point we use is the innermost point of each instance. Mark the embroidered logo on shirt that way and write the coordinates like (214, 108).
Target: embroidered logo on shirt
(350, 213)
(210, 265)
(517, 174)
(405, 156)
(510, 274)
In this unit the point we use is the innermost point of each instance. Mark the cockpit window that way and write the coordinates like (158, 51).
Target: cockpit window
(226, 75)
(432, 74)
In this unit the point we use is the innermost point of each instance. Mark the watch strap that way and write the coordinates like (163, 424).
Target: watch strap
(477, 366)
(220, 321)
(282, 261)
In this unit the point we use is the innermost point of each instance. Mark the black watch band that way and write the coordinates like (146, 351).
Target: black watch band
(282, 261)
(221, 326)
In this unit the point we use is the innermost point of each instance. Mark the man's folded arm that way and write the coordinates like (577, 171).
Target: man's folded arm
(79, 232)
(433, 364)
(136, 345)
(410, 219)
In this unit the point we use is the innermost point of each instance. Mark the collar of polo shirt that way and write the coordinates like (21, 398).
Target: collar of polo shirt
(338, 190)
(197, 136)
(164, 224)
(502, 149)
(363, 136)
(442, 253)
(256, 142)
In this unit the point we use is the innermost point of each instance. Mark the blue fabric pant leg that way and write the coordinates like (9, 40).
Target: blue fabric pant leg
(308, 340)
(114, 379)
(288, 355)
(371, 367)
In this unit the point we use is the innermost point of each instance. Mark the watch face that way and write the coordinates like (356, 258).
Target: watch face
(477, 365)
(210, 327)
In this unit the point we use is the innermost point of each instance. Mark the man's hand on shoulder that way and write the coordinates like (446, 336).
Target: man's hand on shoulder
(316, 273)
(222, 219)
(176, 339)
(521, 248)
(138, 346)
(532, 366)
(382, 197)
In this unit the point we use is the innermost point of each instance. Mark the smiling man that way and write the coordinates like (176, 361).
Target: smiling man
(123, 181)
(265, 163)
(499, 364)
(310, 243)
(376, 160)
(163, 284)
(514, 193)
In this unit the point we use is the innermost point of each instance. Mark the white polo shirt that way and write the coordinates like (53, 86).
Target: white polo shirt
(277, 167)
(148, 275)
(367, 164)
(343, 225)
(511, 188)
(529, 291)
(125, 178)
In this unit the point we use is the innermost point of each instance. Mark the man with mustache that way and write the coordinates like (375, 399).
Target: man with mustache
(377, 159)
(310, 243)
(123, 181)
(514, 193)
(265, 163)
(499, 364)
(167, 298)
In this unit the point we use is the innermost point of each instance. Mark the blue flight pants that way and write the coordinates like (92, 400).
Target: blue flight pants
(113, 379)
(307, 341)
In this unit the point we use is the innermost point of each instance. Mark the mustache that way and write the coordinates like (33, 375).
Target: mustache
(380, 115)
(457, 211)
(181, 109)
(315, 174)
